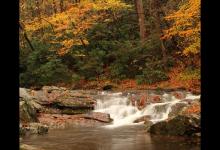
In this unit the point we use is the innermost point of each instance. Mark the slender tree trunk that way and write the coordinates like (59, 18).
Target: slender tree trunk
(26, 37)
(141, 18)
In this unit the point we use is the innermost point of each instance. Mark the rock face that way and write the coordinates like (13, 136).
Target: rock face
(57, 107)
(33, 128)
(183, 125)
(28, 113)
(53, 99)
(64, 100)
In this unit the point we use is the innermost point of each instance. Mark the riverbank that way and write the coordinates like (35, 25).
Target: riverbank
(58, 107)
(158, 113)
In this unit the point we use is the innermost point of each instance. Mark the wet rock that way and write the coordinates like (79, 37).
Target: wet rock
(182, 125)
(194, 107)
(161, 108)
(155, 98)
(102, 117)
(33, 128)
(145, 118)
(179, 95)
(177, 109)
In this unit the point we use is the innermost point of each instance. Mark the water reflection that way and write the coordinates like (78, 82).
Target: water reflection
(98, 138)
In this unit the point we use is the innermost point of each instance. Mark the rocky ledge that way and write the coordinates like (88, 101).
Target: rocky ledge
(54, 107)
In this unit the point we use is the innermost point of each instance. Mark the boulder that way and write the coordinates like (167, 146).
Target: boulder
(146, 120)
(33, 128)
(102, 117)
(28, 112)
(177, 109)
(182, 125)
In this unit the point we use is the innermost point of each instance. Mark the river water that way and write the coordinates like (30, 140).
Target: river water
(122, 134)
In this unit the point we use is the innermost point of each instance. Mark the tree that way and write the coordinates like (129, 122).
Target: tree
(156, 13)
(186, 27)
(25, 36)
(141, 19)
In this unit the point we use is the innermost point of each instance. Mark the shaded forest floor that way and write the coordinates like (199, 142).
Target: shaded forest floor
(176, 81)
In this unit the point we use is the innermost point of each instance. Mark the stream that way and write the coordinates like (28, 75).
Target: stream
(122, 133)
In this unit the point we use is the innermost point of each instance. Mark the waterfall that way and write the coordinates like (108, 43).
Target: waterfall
(123, 113)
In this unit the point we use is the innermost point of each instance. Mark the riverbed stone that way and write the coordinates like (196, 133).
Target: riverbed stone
(144, 118)
(179, 95)
(33, 128)
(182, 125)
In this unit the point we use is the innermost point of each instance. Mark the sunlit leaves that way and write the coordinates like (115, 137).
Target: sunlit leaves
(186, 24)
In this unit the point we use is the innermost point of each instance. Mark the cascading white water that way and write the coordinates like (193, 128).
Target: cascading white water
(123, 113)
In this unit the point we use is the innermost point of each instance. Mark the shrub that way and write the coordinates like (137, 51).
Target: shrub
(43, 67)
(151, 76)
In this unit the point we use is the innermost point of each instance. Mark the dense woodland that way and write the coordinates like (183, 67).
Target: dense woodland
(146, 41)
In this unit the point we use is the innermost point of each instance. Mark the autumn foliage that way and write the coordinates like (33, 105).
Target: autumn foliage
(88, 44)
(186, 25)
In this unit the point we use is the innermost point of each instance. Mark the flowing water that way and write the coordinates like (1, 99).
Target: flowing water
(123, 113)
(122, 133)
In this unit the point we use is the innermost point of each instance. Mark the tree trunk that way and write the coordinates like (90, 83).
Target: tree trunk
(155, 5)
(141, 18)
